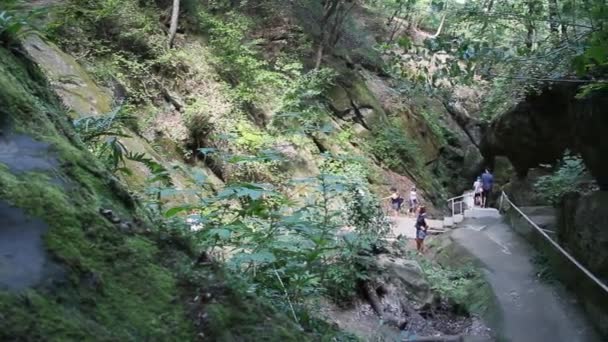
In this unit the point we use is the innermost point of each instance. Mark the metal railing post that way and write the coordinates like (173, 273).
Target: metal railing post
(453, 208)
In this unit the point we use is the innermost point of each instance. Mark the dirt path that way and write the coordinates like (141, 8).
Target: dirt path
(404, 225)
(531, 310)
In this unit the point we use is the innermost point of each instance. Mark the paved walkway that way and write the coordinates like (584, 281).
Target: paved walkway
(531, 310)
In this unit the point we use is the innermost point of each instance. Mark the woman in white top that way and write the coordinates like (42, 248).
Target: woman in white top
(413, 201)
(477, 188)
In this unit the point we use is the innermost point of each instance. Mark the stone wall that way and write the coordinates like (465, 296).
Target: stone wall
(583, 229)
(581, 232)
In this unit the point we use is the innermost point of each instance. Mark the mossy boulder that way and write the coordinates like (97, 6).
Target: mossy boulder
(133, 294)
(67, 78)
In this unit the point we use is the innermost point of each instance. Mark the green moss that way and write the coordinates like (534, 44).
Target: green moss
(360, 95)
(115, 287)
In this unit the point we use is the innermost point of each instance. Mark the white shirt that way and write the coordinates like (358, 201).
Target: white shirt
(477, 186)
(413, 195)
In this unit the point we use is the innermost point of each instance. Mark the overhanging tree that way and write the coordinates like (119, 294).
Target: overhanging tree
(174, 22)
(334, 14)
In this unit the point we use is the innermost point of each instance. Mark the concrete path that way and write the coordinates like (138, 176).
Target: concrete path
(531, 310)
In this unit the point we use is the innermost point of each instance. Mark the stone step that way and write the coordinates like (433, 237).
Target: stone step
(482, 212)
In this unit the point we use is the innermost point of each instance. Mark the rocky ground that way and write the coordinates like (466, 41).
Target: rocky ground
(401, 305)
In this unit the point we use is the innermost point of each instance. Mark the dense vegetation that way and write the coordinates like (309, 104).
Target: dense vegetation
(265, 131)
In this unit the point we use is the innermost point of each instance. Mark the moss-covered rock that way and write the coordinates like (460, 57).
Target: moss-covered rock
(75, 87)
(115, 286)
(109, 285)
(352, 99)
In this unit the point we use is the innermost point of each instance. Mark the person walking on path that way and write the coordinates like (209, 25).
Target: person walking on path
(396, 201)
(477, 189)
(487, 182)
(421, 229)
(413, 201)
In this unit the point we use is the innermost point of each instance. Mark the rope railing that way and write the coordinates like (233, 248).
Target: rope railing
(600, 283)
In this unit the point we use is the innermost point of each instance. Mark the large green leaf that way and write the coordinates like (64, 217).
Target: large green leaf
(174, 211)
(598, 52)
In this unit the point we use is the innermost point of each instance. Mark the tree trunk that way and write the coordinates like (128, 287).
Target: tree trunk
(329, 7)
(440, 27)
(375, 303)
(554, 21)
(395, 30)
(174, 21)
(530, 25)
(530, 37)
(565, 32)
(319, 56)
(442, 22)
(396, 13)
(334, 15)
(488, 16)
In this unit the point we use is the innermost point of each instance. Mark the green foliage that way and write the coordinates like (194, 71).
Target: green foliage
(544, 270)
(594, 60)
(251, 138)
(237, 59)
(438, 129)
(459, 285)
(303, 108)
(289, 249)
(509, 48)
(101, 133)
(570, 175)
(16, 20)
(399, 152)
(112, 286)
(121, 41)
(10, 26)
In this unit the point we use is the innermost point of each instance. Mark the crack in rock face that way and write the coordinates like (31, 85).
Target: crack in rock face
(23, 260)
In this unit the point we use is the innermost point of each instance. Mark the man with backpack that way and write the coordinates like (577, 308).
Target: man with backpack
(487, 183)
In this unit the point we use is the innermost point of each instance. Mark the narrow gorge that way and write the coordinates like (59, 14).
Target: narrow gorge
(222, 170)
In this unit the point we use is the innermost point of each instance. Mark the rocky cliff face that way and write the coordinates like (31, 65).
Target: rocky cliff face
(540, 128)
(582, 231)
(583, 222)
(538, 131)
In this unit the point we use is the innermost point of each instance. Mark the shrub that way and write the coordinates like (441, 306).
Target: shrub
(13, 24)
(570, 175)
(237, 59)
(391, 144)
(302, 106)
